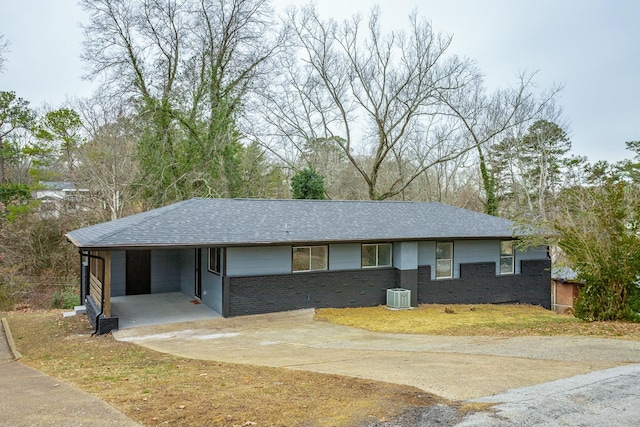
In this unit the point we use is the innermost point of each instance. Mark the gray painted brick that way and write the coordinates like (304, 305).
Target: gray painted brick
(478, 284)
(352, 288)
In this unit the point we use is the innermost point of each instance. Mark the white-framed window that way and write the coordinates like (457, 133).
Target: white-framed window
(214, 263)
(376, 255)
(309, 258)
(444, 260)
(506, 257)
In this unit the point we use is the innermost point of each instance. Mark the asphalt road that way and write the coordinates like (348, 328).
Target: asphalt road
(604, 398)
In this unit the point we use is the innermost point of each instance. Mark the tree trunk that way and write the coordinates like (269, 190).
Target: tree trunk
(488, 183)
(2, 168)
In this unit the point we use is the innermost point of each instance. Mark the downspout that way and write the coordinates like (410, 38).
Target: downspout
(81, 283)
(87, 254)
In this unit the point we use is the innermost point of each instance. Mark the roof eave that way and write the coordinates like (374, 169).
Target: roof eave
(191, 245)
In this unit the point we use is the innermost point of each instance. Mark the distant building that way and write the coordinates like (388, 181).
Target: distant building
(565, 288)
(60, 196)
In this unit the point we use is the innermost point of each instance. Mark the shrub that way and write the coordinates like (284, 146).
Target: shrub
(602, 242)
(65, 298)
(7, 296)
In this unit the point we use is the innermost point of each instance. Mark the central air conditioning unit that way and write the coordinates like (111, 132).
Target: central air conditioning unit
(398, 298)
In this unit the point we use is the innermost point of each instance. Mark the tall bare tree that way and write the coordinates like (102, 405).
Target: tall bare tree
(189, 66)
(107, 165)
(377, 96)
(487, 118)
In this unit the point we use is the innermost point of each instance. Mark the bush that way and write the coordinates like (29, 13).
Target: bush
(66, 298)
(8, 297)
(602, 242)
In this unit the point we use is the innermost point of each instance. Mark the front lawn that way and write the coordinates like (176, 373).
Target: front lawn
(481, 319)
(160, 389)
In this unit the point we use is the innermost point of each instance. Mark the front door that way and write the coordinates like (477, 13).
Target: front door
(138, 272)
(198, 289)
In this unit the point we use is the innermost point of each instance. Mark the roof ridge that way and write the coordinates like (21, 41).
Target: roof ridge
(258, 199)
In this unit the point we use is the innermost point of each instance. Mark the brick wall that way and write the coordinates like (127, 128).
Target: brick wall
(565, 295)
(478, 284)
(105, 324)
(367, 287)
(282, 292)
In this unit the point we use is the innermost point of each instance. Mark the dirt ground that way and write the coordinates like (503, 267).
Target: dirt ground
(456, 368)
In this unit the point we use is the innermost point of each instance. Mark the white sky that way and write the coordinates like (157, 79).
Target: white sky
(592, 47)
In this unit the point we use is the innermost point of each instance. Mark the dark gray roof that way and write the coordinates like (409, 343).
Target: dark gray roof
(211, 222)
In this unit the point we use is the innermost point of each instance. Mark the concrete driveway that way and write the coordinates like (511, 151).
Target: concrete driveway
(456, 368)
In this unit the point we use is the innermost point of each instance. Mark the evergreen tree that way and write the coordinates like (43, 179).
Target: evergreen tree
(307, 184)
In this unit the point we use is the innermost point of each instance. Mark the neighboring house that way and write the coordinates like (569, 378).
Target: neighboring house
(249, 256)
(565, 288)
(58, 196)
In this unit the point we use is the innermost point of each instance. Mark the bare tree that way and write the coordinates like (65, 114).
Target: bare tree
(376, 95)
(486, 118)
(188, 66)
(4, 48)
(106, 161)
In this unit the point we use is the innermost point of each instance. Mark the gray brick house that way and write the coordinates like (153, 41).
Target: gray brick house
(249, 256)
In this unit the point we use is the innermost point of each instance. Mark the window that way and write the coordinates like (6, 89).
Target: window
(309, 258)
(214, 260)
(376, 255)
(444, 260)
(506, 257)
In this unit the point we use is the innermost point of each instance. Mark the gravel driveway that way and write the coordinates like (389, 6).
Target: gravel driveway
(456, 368)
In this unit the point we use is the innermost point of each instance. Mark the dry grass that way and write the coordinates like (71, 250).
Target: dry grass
(160, 389)
(483, 319)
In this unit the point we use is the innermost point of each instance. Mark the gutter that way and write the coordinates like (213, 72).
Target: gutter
(204, 244)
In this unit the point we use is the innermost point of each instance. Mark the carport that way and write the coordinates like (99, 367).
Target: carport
(158, 309)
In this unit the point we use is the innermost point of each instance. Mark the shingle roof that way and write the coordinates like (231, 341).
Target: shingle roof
(210, 222)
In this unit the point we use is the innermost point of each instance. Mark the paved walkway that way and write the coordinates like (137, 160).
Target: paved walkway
(457, 368)
(30, 398)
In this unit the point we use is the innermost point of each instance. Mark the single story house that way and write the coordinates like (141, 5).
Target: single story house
(250, 256)
(59, 196)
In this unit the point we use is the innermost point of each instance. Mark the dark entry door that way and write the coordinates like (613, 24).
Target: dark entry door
(138, 272)
(198, 266)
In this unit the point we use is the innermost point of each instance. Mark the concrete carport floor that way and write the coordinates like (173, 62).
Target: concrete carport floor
(153, 309)
(456, 368)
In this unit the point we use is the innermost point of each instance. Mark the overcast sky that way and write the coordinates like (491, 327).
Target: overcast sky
(591, 47)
